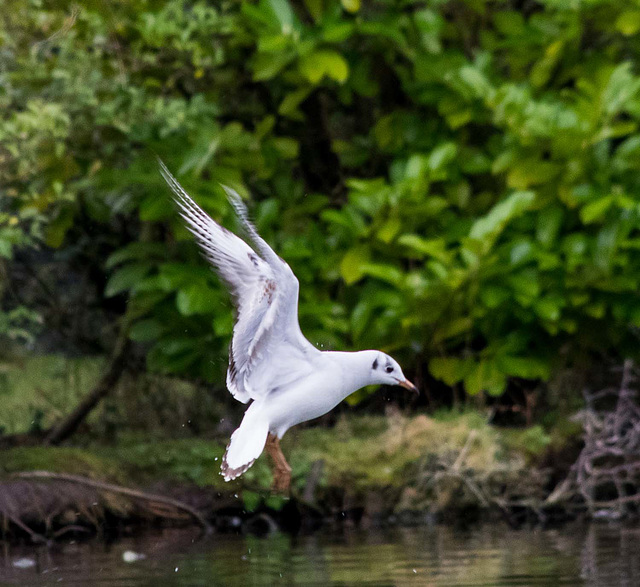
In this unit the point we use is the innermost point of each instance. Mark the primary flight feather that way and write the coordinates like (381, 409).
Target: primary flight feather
(271, 363)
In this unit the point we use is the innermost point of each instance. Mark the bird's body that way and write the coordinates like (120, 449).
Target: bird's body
(270, 361)
(332, 377)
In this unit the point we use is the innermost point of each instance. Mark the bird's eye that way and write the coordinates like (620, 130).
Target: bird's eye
(389, 369)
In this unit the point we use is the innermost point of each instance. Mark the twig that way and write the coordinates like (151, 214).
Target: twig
(150, 497)
(71, 528)
(66, 27)
(465, 450)
(610, 456)
(35, 537)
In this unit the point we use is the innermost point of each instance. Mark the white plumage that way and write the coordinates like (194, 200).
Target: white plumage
(270, 361)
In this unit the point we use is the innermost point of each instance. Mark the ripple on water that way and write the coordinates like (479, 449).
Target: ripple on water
(492, 555)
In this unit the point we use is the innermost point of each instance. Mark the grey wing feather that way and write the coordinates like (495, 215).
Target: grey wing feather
(265, 292)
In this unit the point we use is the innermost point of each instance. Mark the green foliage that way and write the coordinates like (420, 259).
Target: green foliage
(19, 324)
(456, 182)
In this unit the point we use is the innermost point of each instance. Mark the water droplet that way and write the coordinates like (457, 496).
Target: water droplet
(415, 571)
(215, 458)
(175, 570)
(128, 556)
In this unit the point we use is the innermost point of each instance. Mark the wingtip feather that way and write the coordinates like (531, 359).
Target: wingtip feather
(236, 201)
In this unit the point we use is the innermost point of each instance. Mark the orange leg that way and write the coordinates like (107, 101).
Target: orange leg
(281, 469)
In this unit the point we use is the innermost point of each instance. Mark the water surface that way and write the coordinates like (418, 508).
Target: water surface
(594, 554)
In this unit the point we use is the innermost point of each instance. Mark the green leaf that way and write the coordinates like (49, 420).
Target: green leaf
(548, 225)
(136, 250)
(509, 22)
(526, 286)
(283, 13)
(275, 502)
(628, 22)
(442, 155)
(174, 362)
(315, 8)
(146, 330)
(155, 207)
(488, 227)
(352, 264)
(6, 248)
(287, 147)
(485, 376)
(289, 106)
(196, 298)
(596, 210)
(126, 278)
(525, 367)
(476, 81)
(57, 229)
(351, 6)
(432, 247)
(621, 88)
(575, 247)
(322, 63)
(251, 500)
(361, 315)
(383, 271)
(493, 296)
(454, 328)
(530, 172)
(451, 370)
(606, 243)
(548, 308)
(266, 66)
(175, 275)
(387, 232)
(222, 324)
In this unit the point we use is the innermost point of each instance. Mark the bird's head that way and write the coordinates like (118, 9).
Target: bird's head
(386, 371)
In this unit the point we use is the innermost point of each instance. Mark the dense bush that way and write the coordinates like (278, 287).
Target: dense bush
(453, 181)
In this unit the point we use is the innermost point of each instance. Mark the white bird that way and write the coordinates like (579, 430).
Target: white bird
(270, 361)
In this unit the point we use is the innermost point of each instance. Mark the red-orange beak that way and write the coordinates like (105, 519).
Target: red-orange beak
(408, 385)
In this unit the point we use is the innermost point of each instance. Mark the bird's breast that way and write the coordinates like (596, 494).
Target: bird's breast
(286, 407)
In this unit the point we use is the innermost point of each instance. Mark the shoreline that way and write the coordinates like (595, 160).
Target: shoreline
(365, 471)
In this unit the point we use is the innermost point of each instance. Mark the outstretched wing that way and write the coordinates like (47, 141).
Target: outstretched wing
(265, 293)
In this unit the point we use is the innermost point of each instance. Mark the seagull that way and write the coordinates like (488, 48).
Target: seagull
(271, 364)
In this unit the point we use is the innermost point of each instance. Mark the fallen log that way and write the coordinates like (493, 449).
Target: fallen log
(151, 498)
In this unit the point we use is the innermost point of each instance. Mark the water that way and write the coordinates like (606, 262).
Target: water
(492, 555)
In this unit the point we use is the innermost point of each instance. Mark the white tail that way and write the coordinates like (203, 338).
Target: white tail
(246, 445)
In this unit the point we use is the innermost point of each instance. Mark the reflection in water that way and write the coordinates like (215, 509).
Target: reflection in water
(492, 555)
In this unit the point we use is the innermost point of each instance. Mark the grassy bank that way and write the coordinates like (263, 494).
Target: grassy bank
(361, 452)
(165, 436)
(374, 466)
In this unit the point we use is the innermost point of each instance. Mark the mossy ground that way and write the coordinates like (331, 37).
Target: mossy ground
(360, 452)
